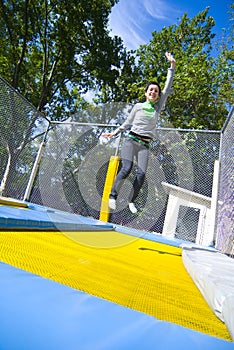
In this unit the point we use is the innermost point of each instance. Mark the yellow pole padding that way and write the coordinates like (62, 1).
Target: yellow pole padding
(12, 202)
(110, 178)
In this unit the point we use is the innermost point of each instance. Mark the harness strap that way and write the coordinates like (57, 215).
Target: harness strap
(146, 144)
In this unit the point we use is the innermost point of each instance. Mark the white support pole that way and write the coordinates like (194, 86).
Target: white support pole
(214, 202)
(170, 222)
(34, 172)
(35, 167)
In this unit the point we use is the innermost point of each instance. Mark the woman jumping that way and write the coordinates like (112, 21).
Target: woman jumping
(142, 122)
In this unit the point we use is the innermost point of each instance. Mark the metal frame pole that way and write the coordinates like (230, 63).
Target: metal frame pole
(35, 167)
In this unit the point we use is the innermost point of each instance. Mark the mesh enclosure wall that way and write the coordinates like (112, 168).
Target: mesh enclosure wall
(22, 130)
(73, 168)
(225, 221)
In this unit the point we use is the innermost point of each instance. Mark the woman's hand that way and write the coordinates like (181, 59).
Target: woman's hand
(108, 134)
(171, 59)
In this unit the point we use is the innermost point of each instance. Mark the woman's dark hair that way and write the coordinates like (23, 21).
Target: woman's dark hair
(153, 83)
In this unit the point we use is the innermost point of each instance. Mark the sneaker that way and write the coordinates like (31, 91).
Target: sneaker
(112, 203)
(132, 208)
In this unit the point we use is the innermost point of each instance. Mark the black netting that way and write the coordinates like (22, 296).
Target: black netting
(72, 171)
(22, 129)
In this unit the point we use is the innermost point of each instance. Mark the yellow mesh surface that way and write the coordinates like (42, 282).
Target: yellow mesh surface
(137, 273)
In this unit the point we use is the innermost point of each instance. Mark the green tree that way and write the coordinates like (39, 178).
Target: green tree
(52, 52)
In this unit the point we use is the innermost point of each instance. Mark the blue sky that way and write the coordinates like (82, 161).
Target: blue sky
(135, 20)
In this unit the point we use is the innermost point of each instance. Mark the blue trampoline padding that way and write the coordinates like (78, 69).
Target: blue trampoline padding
(36, 313)
(39, 217)
(155, 237)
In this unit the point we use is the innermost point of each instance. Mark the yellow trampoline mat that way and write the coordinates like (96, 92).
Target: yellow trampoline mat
(140, 274)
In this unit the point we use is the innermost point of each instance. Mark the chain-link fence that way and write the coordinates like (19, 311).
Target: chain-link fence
(74, 162)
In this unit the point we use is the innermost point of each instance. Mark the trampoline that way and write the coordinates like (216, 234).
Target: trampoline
(77, 283)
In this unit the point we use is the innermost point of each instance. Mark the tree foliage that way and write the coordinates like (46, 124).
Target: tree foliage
(54, 51)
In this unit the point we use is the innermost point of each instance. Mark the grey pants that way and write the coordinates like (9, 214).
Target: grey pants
(130, 150)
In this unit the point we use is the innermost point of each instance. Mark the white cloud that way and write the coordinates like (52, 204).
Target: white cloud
(161, 10)
(124, 22)
(134, 20)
